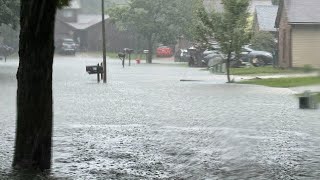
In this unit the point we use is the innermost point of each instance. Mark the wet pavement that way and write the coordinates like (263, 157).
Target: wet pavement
(147, 124)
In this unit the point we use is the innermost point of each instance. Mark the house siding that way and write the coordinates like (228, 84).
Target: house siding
(305, 46)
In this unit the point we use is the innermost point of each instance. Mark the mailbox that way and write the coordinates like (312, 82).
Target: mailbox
(121, 55)
(94, 69)
(128, 51)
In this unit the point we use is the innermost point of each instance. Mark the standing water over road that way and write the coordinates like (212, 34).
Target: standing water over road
(146, 124)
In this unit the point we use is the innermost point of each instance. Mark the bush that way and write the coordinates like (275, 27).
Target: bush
(307, 68)
(263, 41)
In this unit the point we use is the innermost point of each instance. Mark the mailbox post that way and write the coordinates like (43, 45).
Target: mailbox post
(98, 73)
(129, 52)
(104, 44)
(192, 52)
(146, 52)
(122, 57)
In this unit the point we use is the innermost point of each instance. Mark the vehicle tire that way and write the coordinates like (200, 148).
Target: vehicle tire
(258, 62)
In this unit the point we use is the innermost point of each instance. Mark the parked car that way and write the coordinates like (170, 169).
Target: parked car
(66, 46)
(164, 51)
(248, 55)
(256, 58)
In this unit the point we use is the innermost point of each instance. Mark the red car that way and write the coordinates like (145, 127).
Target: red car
(164, 51)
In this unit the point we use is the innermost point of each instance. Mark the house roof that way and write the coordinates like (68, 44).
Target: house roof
(300, 11)
(266, 17)
(306, 11)
(85, 21)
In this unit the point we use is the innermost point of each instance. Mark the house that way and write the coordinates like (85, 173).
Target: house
(298, 24)
(255, 3)
(217, 5)
(265, 18)
(86, 29)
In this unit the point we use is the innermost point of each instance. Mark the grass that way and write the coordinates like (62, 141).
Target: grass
(264, 70)
(284, 82)
(318, 96)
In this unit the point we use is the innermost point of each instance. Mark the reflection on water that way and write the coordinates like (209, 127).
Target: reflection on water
(146, 124)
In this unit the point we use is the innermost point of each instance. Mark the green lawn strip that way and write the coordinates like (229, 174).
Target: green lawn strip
(284, 82)
(318, 96)
(263, 70)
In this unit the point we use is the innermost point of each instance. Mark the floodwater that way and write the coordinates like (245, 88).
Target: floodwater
(147, 124)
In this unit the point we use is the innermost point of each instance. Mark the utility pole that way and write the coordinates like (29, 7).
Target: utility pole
(104, 44)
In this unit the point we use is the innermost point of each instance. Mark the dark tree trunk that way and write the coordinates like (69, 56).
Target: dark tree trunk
(150, 48)
(228, 67)
(34, 95)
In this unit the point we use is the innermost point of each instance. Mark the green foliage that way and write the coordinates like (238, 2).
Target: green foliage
(263, 41)
(285, 82)
(228, 28)
(94, 6)
(9, 12)
(307, 68)
(9, 36)
(164, 20)
(157, 21)
(275, 2)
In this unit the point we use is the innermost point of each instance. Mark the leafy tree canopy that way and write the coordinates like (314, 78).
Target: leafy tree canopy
(9, 12)
(275, 2)
(263, 41)
(163, 20)
(228, 28)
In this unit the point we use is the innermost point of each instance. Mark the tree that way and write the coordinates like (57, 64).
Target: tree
(158, 21)
(10, 36)
(275, 2)
(94, 6)
(228, 28)
(34, 94)
(9, 12)
(263, 41)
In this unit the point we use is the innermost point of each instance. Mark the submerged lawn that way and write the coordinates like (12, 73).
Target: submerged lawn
(285, 82)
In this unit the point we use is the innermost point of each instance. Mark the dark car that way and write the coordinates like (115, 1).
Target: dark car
(256, 58)
(66, 46)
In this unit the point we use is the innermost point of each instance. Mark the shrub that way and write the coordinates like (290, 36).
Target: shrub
(263, 41)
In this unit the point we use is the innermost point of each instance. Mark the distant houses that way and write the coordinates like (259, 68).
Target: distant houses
(264, 18)
(298, 23)
(86, 29)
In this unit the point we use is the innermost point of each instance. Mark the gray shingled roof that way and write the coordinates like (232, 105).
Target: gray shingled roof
(266, 17)
(86, 20)
(303, 11)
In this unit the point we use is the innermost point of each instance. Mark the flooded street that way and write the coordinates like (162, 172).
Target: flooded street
(147, 124)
